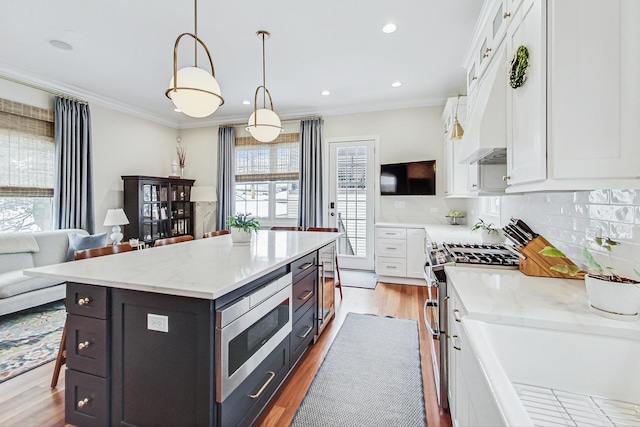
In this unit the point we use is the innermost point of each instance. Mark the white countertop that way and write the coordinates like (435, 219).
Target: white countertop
(441, 233)
(204, 268)
(509, 296)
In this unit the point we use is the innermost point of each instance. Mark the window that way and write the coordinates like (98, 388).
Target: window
(267, 177)
(26, 168)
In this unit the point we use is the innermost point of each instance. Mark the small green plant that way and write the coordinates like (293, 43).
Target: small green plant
(484, 226)
(243, 221)
(591, 265)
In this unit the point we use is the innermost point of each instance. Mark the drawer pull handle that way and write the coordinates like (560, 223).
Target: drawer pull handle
(271, 377)
(391, 266)
(455, 346)
(391, 249)
(456, 315)
(309, 328)
(84, 301)
(306, 296)
(506, 15)
(83, 345)
(83, 402)
(305, 266)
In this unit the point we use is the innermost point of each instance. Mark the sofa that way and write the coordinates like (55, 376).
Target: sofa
(22, 251)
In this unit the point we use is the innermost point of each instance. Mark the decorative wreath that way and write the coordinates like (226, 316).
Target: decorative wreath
(519, 65)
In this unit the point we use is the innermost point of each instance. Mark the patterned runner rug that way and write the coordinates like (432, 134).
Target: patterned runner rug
(371, 376)
(30, 338)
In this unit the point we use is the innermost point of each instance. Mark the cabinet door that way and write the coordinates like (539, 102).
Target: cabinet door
(526, 105)
(473, 181)
(594, 57)
(449, 165)
(415, 252)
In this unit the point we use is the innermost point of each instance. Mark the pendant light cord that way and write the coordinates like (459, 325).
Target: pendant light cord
(264, 78)
(195, 29)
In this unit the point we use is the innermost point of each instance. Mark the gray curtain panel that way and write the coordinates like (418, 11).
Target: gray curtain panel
(226, 187)
(73, 191)
(311, 205)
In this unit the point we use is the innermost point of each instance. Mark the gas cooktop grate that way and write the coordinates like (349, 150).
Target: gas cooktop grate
(550, 407)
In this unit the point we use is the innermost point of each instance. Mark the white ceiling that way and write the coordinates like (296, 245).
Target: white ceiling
(123, 52)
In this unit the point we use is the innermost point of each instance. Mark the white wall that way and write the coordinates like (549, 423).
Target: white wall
(125, 145)
(405, 135)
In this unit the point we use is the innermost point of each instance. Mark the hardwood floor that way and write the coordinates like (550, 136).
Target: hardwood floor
(28, 401)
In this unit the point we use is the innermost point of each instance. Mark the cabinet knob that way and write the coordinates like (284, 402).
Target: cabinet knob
(506, 177)
(83, 345)
(474, 78)
(486, 52)
(474, 185)
(506, 15)
(84, 301)
(83, 402)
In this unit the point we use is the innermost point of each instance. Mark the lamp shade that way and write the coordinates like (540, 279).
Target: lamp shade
(115, 217)
(264, 125)
(197, 94)
(203, 194)
(457, 132)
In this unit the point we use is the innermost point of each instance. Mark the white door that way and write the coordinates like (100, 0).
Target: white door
(351, 200)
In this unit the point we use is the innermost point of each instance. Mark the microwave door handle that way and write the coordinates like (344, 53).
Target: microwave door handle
(431, 304)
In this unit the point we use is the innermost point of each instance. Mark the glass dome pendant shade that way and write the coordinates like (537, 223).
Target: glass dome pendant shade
(264, 124)
(194, 90)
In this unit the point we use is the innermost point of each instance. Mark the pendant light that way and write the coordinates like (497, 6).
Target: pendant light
(264, 124)
(194, 90)
(457, 132)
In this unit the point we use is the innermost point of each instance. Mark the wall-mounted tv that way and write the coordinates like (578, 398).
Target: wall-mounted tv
(408, 179)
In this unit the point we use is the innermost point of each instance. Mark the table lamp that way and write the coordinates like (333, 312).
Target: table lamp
(203, 194)
(116, 218)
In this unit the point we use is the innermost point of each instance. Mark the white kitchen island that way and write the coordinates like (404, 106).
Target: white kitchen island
(528, 351)
(197, 333)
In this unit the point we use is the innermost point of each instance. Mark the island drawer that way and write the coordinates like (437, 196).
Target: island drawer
(86, 399)
(247, 401)
(304, 295)
(302, 333)
(87, 343)
(303, 266)
(88, 300)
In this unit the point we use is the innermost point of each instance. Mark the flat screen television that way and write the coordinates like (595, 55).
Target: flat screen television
(408, 179)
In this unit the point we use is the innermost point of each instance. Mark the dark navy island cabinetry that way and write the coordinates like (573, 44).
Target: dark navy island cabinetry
(150, 359)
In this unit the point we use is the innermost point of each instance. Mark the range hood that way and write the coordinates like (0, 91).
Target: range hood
(485, 139)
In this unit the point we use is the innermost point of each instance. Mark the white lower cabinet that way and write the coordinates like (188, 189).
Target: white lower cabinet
(471, 401)
(400, 254)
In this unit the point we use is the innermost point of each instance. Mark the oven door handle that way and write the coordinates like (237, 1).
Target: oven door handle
(431, 304)
(431, 281)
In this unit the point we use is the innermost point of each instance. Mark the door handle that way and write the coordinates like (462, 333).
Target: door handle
(309, 328)
(271, 376)
(305, 266)
(306, 296)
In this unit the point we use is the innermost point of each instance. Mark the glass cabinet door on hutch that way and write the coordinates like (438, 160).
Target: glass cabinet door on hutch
(157, 207)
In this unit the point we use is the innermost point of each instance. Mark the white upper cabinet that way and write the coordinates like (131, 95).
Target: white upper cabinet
(574, 123)
(594, 90)
(526, 105)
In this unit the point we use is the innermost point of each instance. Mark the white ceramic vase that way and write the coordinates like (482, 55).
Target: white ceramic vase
(613, 300)
(240, 237)
(493, 238)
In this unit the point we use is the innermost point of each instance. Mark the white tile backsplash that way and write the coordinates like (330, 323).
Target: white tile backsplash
(563, 218)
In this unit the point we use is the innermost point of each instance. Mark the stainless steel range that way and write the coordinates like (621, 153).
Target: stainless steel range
(435, 308)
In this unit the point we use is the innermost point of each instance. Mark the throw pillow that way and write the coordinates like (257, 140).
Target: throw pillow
(78, 242)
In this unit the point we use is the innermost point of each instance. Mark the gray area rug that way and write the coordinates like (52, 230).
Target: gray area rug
(358, 279)
(371, 376)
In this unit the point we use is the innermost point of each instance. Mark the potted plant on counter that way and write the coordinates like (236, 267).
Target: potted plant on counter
(241, 226)
(610, 294)
(455, 217)
(490, 234)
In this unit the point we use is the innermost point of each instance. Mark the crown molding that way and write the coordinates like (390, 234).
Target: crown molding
(55, 87)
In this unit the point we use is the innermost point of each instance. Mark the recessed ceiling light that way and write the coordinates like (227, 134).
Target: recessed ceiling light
(177, 110)
(396, 84)
(389, 28)
(60, 44)
(325, 93)
(246, 102)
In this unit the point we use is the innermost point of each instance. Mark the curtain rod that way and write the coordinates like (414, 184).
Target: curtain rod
(44, 89)
(293, 119)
